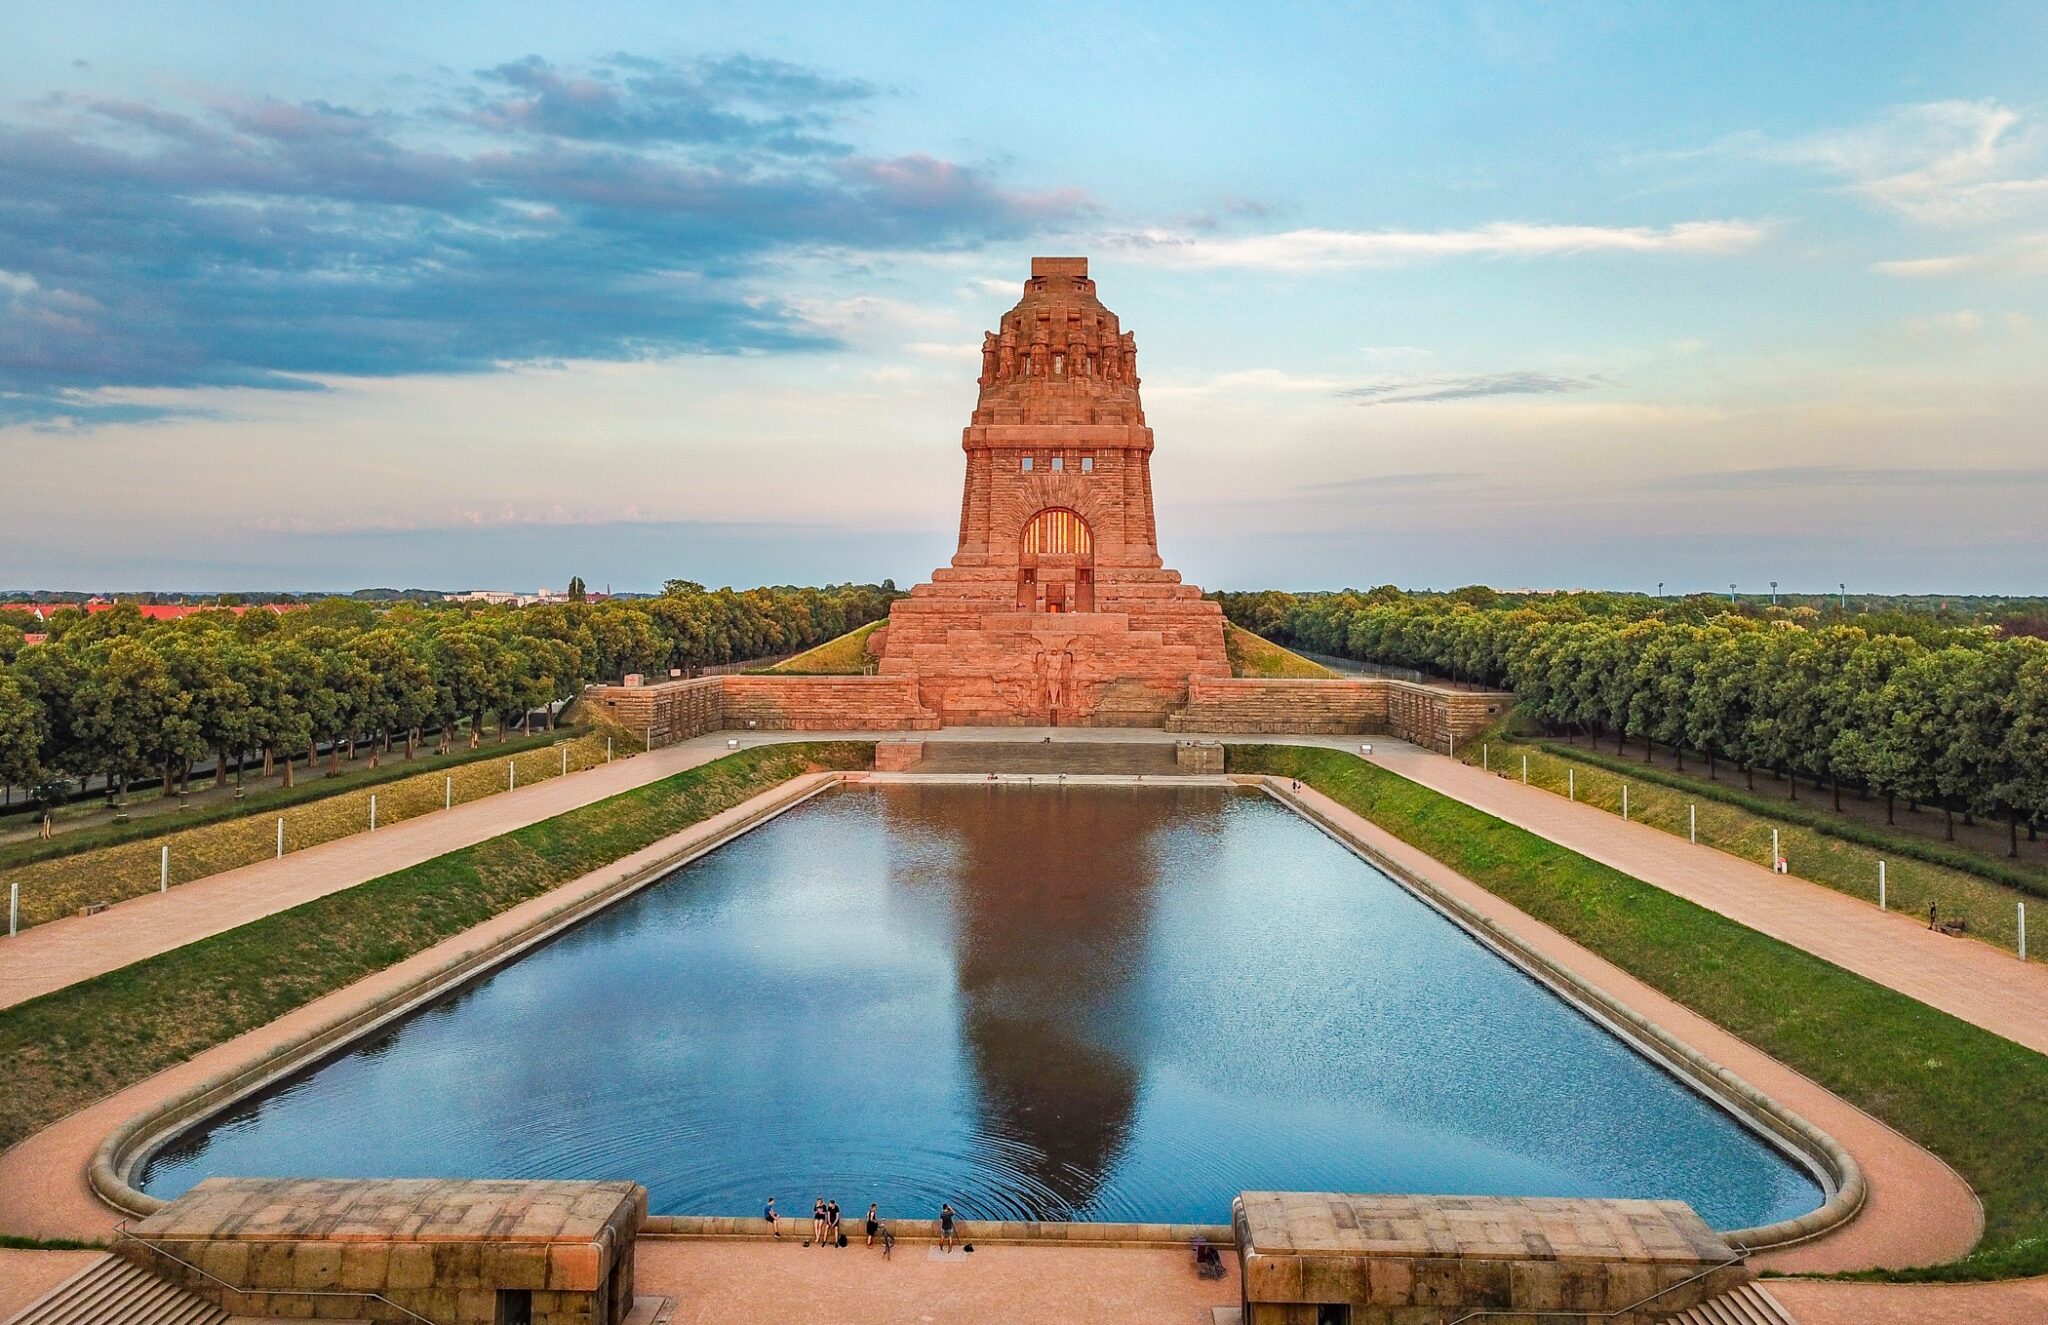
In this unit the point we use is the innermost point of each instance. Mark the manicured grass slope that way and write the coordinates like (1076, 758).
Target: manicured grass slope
(312, 784)
(51, 889)
(1975, 1099)
(79, 1044)
(845, 656)
(1251, 655)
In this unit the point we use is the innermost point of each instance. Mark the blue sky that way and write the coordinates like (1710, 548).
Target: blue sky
(489, 295)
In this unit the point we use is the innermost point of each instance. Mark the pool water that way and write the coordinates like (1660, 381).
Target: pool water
(1110, 1003)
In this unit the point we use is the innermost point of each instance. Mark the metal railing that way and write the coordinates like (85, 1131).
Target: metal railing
(123, 1232)
(1637, 1305)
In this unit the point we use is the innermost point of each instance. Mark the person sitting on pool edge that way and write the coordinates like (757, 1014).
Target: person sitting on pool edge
(818, 1222)
(774, 1224)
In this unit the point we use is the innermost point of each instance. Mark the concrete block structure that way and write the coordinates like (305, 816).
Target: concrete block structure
(1317, 1258)
(453, 1252)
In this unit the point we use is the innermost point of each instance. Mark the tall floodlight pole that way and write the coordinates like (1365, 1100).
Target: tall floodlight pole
(1844, 587)
(1660, 588)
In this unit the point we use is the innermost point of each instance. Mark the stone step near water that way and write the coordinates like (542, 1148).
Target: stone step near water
(113, 1291)
(1048, 757)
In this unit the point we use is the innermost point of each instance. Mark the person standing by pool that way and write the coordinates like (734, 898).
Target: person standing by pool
(774, 1224)
(832, 1224)
(818, 1222)
(874, 1223)
(945, 1226)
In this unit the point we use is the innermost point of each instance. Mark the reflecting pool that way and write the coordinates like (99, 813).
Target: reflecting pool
(1118, 1003)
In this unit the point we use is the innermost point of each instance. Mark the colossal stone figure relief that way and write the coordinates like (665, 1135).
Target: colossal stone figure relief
(988, 357)
(1006, 355)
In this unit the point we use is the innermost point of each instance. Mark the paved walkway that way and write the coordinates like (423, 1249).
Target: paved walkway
(1967, 979)
(62, 952)
(756, 1283)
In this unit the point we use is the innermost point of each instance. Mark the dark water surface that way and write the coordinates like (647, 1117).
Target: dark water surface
(1121, 1003)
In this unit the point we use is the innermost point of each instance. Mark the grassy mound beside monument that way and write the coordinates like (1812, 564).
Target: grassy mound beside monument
(1251, 655)
(1977, 1100)
(845, 656)
(66, 1049)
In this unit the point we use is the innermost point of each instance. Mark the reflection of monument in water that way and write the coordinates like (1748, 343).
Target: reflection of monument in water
(1047, 951)
(1056, 607)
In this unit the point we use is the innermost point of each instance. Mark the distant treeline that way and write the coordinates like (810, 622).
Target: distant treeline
(118, 696)
(1909, 707)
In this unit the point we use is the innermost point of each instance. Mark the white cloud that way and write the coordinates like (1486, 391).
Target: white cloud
(1938, 162)
(1319, 249)
(2024, 256)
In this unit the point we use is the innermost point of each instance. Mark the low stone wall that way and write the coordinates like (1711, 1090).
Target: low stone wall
(1392, 1260)
(1428, 715)
(670, 711)
(451, 1251)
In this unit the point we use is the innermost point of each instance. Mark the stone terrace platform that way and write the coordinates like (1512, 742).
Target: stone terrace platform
(1396, 1259)
(455, 1252)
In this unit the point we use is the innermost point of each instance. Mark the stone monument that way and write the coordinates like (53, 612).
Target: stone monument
(1056, 608)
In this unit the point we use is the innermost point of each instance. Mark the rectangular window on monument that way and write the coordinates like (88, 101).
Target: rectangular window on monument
(1026, 464)
(1087, 464)
(1059, 463)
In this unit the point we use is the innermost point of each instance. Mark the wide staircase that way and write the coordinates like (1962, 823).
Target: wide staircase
(1047, 757)
(114, 1291)
(1750, 1304)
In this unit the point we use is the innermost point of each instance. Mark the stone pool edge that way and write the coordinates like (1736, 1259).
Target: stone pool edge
(1840, 1174)
(130, 1144)
(119, 1155)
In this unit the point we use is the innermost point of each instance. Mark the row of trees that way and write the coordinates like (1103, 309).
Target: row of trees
(1957, 719)
(117, 696)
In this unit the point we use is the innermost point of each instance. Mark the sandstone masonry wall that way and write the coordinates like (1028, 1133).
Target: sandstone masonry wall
(1365, 705)
(671, 711)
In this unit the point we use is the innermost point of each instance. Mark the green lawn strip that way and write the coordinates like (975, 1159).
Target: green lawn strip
(1830, 860)
(66, 1049)
(844, 655)
(1892, 843)
(1975, 1099)
(311, 786)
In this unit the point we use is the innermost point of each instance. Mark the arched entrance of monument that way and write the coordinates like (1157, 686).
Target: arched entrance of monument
(1056, 564)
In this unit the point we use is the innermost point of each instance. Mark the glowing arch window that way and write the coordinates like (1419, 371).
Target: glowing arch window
(1059, 532)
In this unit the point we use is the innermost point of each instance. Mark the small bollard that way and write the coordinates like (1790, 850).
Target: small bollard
(373, 811)
(1525, 770)
(1571, 784)
(607, 749)
(2023, 931)
(1777, 857)
(448, 793)
(650, 736)
(1485, 758)
(1692, 824)
(1880, 887)
(565, 761)
(1454, 745)
(1624, 801)
(280, 837)
(511, 775)
(163, 871)
(13, 908)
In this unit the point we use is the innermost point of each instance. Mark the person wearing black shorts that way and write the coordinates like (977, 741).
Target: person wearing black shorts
(874, 1224)
(945, 1226)
(832, 1223)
